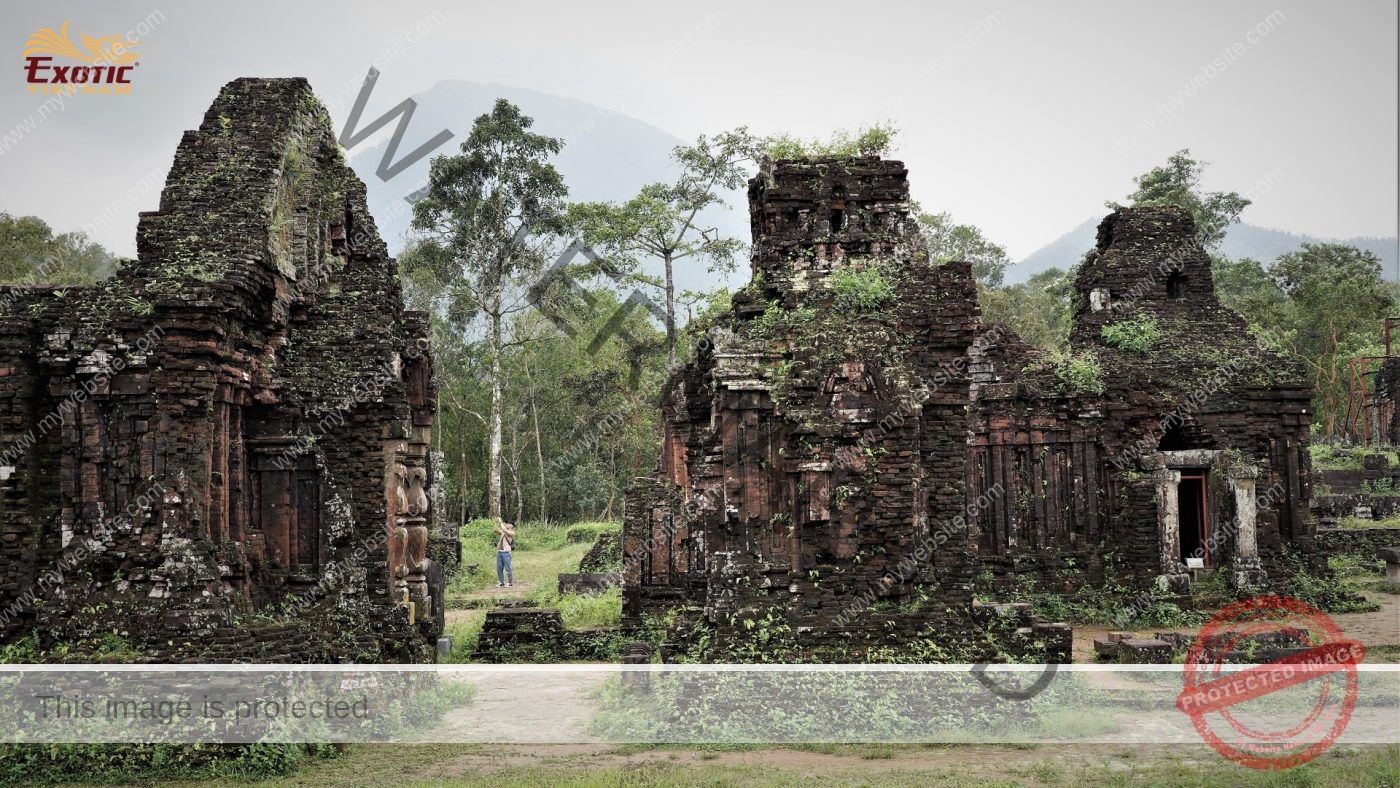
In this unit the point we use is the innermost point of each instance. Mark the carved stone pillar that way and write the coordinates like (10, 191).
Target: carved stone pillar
(412, 521)
(1246, 540)
(1173, 577)
(416, 552)
(1246, 571)
(398, 537)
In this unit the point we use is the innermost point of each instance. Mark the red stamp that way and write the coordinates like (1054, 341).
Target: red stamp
(1212, 696)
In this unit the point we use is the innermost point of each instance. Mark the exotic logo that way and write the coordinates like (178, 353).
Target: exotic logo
(54, 64)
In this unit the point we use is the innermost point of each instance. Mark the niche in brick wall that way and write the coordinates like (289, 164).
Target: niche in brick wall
(286, 509)
(1176, 285)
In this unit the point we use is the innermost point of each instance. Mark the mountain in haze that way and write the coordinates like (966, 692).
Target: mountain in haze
(606, 156)
(1241, 240)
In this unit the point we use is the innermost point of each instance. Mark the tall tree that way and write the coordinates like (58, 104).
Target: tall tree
(664, 221)
(1178, 182)
(486, 228)
(1337, 302)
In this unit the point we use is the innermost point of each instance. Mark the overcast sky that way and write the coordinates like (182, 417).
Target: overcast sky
(1019, 117)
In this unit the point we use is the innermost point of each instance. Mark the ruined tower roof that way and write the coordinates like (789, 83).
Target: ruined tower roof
(242, 201)
(1147, 308)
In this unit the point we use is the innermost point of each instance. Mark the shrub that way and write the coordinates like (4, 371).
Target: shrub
(862, 290)
(1137, 334)
(1328, 592)
(776, 319)
(479, 533)
(876, 140)
(57, 763)
(1079, 374)
(585, 533)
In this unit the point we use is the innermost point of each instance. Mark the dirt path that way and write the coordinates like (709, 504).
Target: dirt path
(518, 591)
(556, 707)
(1381, 628)
(823, 761)
(863, 765)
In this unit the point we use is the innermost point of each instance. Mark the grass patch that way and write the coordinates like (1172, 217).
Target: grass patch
(542, 552)
(465, 630)
(1077, 723)
(1337, 457)
(585, 612)
(1352, 521)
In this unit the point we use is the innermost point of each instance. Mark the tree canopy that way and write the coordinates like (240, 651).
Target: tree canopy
(1178, 182)
(30, 253)
(666, 221)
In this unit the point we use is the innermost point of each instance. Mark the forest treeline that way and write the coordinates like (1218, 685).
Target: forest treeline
(551, 342)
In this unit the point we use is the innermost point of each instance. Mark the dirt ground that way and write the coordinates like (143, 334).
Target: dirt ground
(556, 765)
(1379, 631)
(561, 765)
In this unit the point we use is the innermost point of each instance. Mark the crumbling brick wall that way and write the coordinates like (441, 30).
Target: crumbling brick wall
(234, 427)
(852, 448)
(1179, 385)
(814, 453)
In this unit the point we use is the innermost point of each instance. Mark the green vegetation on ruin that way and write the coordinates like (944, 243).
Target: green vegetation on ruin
(1078, 373)
(1341, 457)
(1138, 334)
(875, 140)
(860, 289)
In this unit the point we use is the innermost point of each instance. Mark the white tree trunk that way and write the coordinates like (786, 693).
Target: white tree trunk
(670, 315)
(539, 448)
(496, 346)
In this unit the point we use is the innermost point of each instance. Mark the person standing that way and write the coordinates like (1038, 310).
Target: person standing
(505, 548)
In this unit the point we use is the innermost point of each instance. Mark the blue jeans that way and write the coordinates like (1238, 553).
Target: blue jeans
(503, 569)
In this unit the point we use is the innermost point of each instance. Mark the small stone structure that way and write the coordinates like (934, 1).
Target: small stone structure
(853, 449)
(605, 555)
(520, 634)
(1127, 647)
(588, 582)
(234, 427)
(599, 569)
(1391, 557)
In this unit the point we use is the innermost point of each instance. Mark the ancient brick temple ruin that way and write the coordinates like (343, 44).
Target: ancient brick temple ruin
(854, 455)
(221, 453)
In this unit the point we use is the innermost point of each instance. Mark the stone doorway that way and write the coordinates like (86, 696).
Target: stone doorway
(1193, 501)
